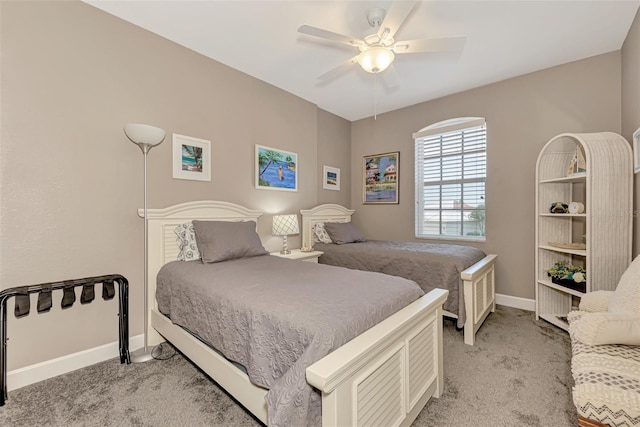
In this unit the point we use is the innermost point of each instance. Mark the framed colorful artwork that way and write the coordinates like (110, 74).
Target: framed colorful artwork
(191, 158)
(330, 178)
(380, 178)
(276, 169)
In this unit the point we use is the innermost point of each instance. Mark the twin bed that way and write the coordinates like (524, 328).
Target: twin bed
(383, 375)
(466, 272)
(303, 343)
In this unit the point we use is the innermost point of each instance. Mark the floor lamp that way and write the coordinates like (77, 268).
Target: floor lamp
(146, 137)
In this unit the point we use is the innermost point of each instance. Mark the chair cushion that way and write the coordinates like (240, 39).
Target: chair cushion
(626, 298)
(607, 382)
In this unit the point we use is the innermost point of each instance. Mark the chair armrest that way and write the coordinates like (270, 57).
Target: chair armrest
(595, 301)
(606, 328)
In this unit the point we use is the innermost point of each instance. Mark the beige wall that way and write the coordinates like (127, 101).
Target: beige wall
(522, 114)
(71, 183)
(631, 106)
(334, 149)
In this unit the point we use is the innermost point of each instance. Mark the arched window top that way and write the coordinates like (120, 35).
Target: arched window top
(449, 126)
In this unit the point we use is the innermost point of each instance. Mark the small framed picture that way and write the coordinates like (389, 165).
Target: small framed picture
(191, 158)
(636, 151)
(276, 169)
(330, 178)
(380, 178)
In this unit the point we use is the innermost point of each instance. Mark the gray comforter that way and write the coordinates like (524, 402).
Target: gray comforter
(277, 316)
(430, 265)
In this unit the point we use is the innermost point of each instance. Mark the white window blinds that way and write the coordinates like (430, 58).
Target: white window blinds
(451, 169)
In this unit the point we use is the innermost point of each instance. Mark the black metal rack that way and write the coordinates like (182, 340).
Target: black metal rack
(88, 283)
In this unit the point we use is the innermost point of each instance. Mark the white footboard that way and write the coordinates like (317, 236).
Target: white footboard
(386, 375)
(479, 295)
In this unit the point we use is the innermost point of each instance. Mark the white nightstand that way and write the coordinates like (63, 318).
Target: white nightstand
(299, 255)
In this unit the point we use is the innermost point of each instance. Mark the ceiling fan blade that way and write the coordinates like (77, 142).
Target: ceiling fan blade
(338, 70)
(395, 17)
(445, 44)
(390, 77)
(329, 35)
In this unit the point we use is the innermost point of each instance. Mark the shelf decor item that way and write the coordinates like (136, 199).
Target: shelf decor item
(576, 208)
(578, 163)
(569, 275)
(577, 246)
(559, 207)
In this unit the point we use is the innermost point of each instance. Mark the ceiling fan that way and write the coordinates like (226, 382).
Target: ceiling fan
(377, 50)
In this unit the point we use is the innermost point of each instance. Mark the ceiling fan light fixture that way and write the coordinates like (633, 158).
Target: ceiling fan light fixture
(375, 59)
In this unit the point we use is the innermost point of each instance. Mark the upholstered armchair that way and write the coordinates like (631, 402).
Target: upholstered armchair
(605, 342)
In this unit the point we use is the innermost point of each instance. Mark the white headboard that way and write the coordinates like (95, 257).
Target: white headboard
(162, 238)
(322, 213)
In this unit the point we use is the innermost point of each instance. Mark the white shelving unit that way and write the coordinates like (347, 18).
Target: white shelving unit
(606, 190)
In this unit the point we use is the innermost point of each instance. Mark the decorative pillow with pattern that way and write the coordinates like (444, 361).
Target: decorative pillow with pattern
(186, 242)
(320, 234)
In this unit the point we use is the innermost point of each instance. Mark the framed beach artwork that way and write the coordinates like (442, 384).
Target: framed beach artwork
(380, 178)
(276, 169)
(330, 178)
(191, 158)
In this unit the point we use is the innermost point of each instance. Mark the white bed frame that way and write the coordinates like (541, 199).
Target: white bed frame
(478, 280)
(384, 376)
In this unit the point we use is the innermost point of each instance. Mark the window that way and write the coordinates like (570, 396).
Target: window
(451, 170)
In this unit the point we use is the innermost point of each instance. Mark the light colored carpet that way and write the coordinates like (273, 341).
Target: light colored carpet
(517, 374)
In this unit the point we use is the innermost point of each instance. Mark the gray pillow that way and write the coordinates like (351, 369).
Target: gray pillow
(343, 232)
(223, 240)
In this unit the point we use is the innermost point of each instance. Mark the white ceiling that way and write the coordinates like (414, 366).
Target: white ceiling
(505, 38)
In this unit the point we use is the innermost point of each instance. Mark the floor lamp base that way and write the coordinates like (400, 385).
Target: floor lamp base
(140, 355)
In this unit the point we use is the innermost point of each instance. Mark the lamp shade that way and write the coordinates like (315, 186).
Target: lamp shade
(284, 225)
(144, 134)
(375, 59)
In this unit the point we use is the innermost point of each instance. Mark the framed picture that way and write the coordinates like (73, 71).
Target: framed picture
(636, 151)
(330, 178)
(380, 178)
(276, 169)
(191, 158)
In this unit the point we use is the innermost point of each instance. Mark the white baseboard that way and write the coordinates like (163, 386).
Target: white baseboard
(52, 368)
(516, 302)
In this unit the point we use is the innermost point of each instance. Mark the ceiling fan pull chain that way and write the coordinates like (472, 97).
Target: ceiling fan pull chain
(375, 96)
